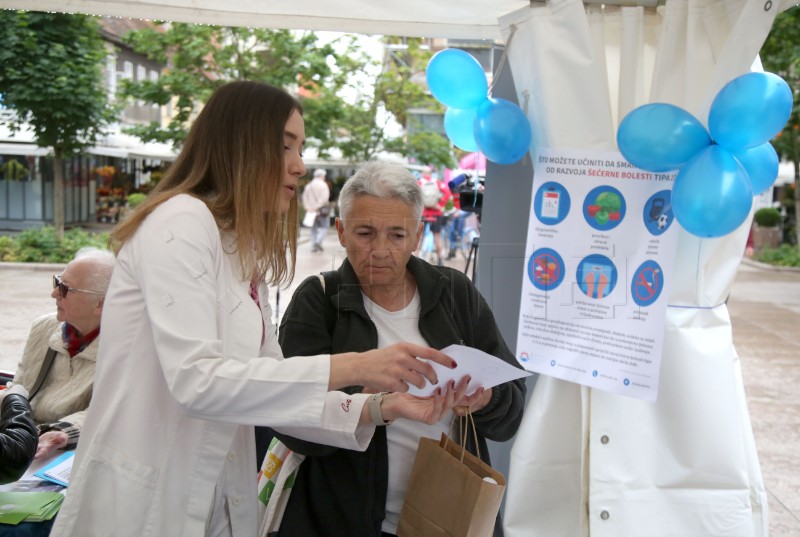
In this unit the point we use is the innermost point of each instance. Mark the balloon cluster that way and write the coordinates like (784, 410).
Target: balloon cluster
(718, 174)
(473, 121)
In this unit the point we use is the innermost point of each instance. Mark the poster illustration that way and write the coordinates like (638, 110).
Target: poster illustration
(600, 245)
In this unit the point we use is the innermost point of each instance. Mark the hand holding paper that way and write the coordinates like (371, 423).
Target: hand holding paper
(486, 371)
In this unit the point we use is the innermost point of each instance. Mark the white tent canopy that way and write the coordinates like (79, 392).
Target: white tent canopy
(466, 19)
(474, 19)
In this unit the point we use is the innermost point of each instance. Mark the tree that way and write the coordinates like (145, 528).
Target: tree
(781, 55)
(201, 58)
(51, 75)
(401, 87)
(424, 147)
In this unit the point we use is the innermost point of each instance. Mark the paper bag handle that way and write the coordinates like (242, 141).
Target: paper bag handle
(468, 420)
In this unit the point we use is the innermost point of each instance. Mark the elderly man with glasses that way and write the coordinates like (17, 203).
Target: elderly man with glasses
(57, 366)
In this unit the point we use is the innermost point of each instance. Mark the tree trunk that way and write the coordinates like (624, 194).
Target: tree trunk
(58, 193)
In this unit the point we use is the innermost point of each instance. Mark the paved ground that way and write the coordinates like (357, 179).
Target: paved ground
(765, 313)
(764, 306)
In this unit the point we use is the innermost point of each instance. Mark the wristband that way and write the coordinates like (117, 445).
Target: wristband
(374, 407)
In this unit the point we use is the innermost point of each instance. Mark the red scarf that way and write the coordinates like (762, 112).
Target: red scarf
(74, 341)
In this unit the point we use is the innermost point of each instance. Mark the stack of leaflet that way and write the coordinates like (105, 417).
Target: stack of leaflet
(16, 507)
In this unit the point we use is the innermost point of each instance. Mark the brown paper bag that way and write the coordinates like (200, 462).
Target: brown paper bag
(447, 496)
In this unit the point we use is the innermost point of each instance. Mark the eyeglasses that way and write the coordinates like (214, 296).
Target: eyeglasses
(63, 288)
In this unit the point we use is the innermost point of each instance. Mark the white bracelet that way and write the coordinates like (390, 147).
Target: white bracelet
(374, 407)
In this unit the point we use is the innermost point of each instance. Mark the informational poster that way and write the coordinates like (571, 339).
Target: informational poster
(599, 254)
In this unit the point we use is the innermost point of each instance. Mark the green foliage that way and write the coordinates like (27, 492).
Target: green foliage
(136, 199)
(203, 57)
(400, 87)
(14, 170)
(785, 256)
(52, 76)
(426, 148)
(767, 217)
(781, 55)
(39, 245)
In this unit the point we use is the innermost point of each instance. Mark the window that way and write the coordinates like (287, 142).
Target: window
(127, 70)
(111, 71)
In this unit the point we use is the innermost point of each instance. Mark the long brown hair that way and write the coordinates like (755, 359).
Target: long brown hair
(233, 160)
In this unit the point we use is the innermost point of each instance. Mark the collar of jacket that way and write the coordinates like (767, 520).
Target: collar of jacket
(431, 284)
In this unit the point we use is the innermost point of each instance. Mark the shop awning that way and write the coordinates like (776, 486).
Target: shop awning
(22, 149)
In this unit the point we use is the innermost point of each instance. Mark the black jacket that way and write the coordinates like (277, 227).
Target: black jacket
(18, 437)
(341, 492)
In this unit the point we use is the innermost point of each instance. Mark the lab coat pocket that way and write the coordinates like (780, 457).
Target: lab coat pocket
(130, 497)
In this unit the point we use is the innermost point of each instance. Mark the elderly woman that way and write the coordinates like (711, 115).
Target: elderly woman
(58, 364)
(379, 296)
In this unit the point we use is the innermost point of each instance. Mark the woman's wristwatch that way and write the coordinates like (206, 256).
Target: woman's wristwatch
(374, 407)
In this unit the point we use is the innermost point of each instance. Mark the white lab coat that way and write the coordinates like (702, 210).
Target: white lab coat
(182, 375)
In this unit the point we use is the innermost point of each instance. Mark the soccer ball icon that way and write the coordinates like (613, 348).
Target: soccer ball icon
(663, 220)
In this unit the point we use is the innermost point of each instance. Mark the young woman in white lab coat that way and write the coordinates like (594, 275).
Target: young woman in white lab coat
(188, 359)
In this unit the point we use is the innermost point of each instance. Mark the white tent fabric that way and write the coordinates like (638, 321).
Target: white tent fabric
(588, 462)
(465, 19)
(470, 19)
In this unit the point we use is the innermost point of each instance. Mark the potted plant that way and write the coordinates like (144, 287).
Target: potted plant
(766, 231)
(135, 199)
(131, 202)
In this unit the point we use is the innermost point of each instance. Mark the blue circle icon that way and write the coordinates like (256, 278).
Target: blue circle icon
(552, 363)
(604, 208)
(596, 276)
(594, 373)
(626, 382)
(657, 212)
(545, 269)
(551, 203)
(648, 281)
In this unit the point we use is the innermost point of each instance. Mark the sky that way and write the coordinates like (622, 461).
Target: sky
(372, 45)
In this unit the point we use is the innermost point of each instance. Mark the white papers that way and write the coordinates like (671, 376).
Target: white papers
(486, 371)
(59, 470)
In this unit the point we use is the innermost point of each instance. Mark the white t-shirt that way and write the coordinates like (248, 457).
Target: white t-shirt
(403, 435)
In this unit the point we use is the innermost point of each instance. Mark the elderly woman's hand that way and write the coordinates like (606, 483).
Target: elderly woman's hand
(474, 402)
(425, 409)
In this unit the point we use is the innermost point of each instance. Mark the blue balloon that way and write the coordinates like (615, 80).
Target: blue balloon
(502, 131)
(459, 124)
(456, 79)
(659, 137)
(712, 195)
(761, 164)
(750, 110)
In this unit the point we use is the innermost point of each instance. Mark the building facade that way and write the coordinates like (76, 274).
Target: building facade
(96, 182)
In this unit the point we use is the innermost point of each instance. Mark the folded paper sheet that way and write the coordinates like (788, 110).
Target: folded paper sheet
(486, 370)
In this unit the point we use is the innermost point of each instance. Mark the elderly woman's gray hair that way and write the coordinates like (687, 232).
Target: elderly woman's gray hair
(382, 180)
(102, 263)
